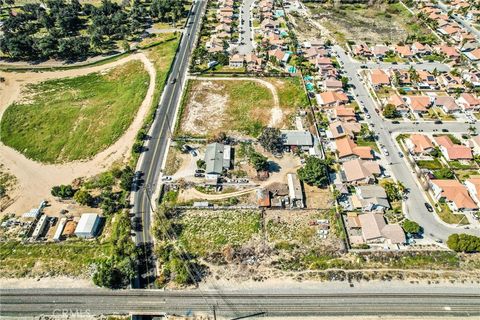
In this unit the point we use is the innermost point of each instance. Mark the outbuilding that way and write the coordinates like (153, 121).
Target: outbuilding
(88, 226)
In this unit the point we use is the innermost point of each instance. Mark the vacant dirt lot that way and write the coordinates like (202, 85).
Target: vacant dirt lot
(238, 105)
(375, 23)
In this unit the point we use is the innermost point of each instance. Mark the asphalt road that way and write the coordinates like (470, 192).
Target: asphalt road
(246, 34)
(465, 24)
(414, 205)
(162, 127)
(429, 301)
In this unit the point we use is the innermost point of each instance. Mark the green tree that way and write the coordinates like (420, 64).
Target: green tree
(62, 191)
(271, 140)
(410, 226)
(390, 112)
(315, 172)
(463, 243)
(444, 173)
(83, 197)
(258, 161)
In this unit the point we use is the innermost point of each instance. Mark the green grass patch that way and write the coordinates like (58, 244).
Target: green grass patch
(434, 164)
(75, 118)
(205, 232)
(449, 217)
(455, 164)
(290, 92)
(70, 258)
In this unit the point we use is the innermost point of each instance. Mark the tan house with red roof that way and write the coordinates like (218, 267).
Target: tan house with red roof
(418, 104)
(419, 144)
(453, 151)
(379, 78)
(454, 193)
(397, 101)
(347, 149)
(331, 98)
(404, 51)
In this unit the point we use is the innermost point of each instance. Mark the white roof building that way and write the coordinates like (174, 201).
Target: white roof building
(88, 225)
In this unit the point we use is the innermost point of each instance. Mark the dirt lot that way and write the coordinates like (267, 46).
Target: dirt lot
(237, 105)
(317, 198)
(378, 22)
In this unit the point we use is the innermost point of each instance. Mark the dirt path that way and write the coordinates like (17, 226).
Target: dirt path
(36, 179)
(276, 112)
(195, 194)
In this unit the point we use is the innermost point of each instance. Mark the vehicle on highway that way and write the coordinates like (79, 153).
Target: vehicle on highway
(429, 207)
(173, 80)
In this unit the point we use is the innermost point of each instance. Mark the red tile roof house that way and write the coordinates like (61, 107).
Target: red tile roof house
(469, 102)
(254, 63)
(418, 104)
(379, 78)
(347, 149)
(448, 51)
(404, 51)
(361, 50)
(419, 144)
(453, 151)
(399, 103)
(451, 83)
(339, 129)
(331, 98)
(344, 114)
(421, 49)
(427, 80)
(454, 193)
(447, 104)
(380, 51)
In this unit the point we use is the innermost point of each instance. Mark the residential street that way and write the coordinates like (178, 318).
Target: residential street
(465, 24)
(414, 206)
(245, 28)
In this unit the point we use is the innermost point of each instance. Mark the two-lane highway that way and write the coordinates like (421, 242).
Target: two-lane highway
(150, 163)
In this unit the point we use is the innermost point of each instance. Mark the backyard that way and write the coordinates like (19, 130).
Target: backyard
(75, 118)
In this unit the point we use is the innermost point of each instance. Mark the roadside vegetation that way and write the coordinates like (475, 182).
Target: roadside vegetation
(75, 118)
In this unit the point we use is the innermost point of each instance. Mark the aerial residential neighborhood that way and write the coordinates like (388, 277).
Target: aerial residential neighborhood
(204, 159)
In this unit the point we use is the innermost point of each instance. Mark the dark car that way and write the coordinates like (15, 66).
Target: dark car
(429, 207)
(173, 80)
(396, 122)
(438, 122)
(444, 130)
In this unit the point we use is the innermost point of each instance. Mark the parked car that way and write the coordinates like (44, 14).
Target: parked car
(199, 175)
(438, 122)
(396, 122)
(429, 207)
(444, 130)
